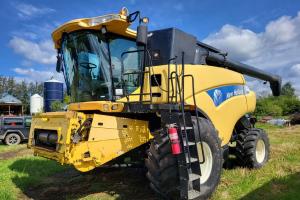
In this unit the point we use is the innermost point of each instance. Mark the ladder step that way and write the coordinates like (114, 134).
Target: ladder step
(187, 128)
(193, 177)
(193, 194)
(189, 143)
(193, 159)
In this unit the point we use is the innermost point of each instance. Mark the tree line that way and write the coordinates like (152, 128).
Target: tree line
(22, 90)
(286, 104)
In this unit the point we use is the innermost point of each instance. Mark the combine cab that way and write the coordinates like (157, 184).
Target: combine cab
(161, 98)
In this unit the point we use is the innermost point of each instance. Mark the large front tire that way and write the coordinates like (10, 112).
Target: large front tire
(163, 169)
(253, 148)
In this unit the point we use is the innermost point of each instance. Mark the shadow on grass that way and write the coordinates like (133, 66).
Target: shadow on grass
(286, 188)
(232, 163)
(45, 179)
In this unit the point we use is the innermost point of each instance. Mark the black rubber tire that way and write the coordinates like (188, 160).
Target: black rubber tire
(246, 144)
(12, 139)
(163, 169)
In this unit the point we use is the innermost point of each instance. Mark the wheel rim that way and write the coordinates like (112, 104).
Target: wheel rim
(12, 139)
(260, 151)
(206, 167)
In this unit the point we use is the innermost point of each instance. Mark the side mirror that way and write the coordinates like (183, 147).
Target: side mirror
(142, 35)
(142, 29)
(59, 63)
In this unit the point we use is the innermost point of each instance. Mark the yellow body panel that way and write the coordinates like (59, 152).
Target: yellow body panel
(251, 101)
(223, 117)
(63, 123)
(109, 137)
(103, 106)
(114, 137)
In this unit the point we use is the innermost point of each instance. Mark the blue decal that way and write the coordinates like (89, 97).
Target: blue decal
(221, 94)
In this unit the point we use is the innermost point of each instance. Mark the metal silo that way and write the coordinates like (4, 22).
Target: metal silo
(36, 104)
(53, 91)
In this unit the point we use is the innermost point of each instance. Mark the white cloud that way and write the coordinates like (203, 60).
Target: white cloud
(282, 30)
(41, 52)
(261, 87)
(276, 49)
(295, 69)
(25, 34)
(36, 75)
(278, 45)
(251, 20)
(242, 43)
(27, 11)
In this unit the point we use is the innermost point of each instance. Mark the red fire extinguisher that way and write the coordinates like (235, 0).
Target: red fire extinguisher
(175, 142)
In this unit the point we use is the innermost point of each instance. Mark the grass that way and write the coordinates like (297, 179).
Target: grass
(5, 148)
(19, 173)
(279, 179)
(268, 127)
(23, 176)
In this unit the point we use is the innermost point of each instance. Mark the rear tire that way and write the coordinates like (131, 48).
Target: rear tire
(12, 139)
(252, 148)
(163, 168)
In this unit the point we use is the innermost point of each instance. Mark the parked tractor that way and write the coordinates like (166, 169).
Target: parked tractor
(158, 98)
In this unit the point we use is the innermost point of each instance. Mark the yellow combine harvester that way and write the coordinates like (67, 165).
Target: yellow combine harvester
(161, 98)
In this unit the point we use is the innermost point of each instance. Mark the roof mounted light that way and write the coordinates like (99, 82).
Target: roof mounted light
(145, 20)
(124, 11)
(102, 19)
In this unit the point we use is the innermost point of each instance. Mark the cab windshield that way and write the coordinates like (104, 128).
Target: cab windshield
(93, 65)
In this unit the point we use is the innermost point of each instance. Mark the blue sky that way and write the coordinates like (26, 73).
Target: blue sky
(262, 33)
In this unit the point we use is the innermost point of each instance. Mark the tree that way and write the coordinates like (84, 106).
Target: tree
(3, 81)
(57, 106)
(288, 90)
(35, 88)
(67, 99)
(10, 88)
(24, 96)
(268, 106)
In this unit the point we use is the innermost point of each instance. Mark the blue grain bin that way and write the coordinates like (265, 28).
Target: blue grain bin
(53, 91)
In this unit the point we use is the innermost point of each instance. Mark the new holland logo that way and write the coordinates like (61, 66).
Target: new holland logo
(218, 97)
(221, 94)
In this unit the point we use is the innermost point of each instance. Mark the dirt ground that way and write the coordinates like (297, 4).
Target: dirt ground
(11, 154)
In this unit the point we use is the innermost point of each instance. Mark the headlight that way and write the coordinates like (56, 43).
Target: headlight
(102, 19)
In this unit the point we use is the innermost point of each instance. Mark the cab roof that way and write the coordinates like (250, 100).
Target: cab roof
(115, 23)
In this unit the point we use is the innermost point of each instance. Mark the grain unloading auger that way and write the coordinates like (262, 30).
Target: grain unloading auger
(160, 98)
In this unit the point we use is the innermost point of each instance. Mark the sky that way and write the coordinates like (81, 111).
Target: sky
(265, 34)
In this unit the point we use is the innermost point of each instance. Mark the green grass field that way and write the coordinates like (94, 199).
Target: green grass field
(279, 179)
(23, 176)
